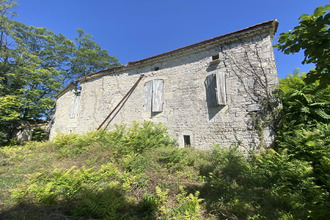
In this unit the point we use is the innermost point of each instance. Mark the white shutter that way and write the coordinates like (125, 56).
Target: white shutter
(221, 88)
(148, 96)
(158, 95)
(75, 107)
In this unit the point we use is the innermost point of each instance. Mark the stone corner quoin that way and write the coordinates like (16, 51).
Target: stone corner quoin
(207, 93)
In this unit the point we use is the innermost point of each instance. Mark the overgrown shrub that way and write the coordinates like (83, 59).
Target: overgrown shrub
(3, 138)
(304, 130)
(121, 141)
(64, 185)
(39, 134)
(138, 137)
(112, 179)
(269, 185)
(158, 205)
(108, 203)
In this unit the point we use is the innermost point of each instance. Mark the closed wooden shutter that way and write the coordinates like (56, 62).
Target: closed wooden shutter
(221, 88)
(75, 107)
(148, 96)
(211, 85)
(158, 95)
(154, 95)
(215, 85)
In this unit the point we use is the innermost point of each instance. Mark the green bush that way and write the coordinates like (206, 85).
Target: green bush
(270, 185)
(60, 185)
(139, 137)
(108, 203)
(3, 138)
(176, 159)
(158, 206)
(39, 134)
(189, 205)
(121, 180)
(121, 141)
(64, 140)
(149, 204)
(304, 130)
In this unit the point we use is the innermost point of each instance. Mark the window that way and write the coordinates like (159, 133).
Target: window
(215, 85)
(215, 57)
(75, 107)
(154, 95)
(186, 140)
(77, 89)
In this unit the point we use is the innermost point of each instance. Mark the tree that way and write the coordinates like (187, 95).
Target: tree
(313, 36)
(88, 56)
(304, 130)
(35, 63)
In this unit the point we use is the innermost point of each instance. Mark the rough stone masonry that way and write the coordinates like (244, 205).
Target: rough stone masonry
(211, 92)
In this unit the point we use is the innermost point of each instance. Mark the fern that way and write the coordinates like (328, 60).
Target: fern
(322, 114)
(106, 204)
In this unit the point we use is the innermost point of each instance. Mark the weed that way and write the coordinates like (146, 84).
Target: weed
(120, 174)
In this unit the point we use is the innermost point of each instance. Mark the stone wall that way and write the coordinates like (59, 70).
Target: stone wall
(250, 74)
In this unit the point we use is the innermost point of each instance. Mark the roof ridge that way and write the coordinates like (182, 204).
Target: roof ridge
(271, 24)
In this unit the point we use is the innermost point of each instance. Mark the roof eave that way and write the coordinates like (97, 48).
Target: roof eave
(269, 27)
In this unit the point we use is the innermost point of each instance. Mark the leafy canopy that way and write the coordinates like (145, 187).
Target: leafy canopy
(304, 129)
(35, 63)
(312, 35)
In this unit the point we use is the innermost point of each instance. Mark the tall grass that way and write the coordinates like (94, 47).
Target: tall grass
(137, 172)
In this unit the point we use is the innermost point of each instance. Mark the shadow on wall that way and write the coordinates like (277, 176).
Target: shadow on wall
(213, 111)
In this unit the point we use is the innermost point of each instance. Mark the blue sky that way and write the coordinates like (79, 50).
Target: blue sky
(136, 29)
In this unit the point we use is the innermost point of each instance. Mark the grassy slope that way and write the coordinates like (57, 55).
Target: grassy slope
(147, 170)
(139, 173)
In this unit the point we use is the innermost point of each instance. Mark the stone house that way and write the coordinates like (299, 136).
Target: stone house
(211, 92)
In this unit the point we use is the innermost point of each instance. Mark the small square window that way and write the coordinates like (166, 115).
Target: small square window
(215, 57)
(186, 140)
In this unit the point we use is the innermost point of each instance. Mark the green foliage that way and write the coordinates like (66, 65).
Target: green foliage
(3, 138)
(125, 141)
(62, 140)
(39, 134)
(304, 105)
(304, 124)
(176, 159)
(93, 179)
(103, 204)
(88, 56)
(313, 36)
(35, 63)
(9, 108)
(139, 137)
(270, 185)
(303, 131)
(149, 204)
(189, 205)
(66, 185)
(98, 192)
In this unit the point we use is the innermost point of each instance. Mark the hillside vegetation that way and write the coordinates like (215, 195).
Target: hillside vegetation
(137, 172)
